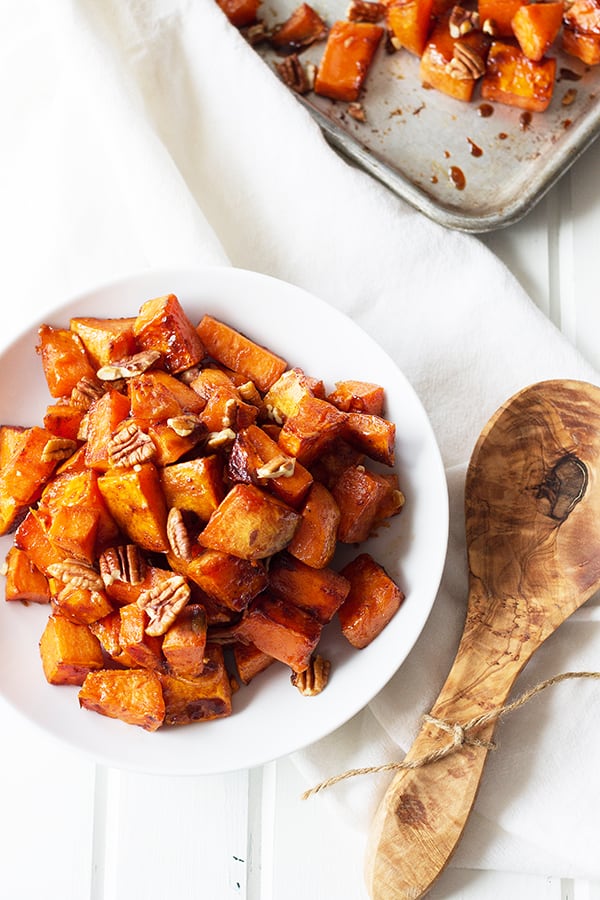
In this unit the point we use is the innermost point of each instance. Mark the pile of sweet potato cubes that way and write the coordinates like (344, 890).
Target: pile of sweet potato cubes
(180, 508)
(503, 46)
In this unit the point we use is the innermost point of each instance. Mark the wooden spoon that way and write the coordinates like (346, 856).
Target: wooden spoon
(532, 505)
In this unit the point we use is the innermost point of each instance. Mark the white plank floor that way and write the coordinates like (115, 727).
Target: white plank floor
(247, 835)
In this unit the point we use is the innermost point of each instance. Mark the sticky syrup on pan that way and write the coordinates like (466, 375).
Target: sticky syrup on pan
(475, 150)
(457, 177)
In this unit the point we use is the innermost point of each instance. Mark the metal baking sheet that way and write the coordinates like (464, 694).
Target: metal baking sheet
(468, 171)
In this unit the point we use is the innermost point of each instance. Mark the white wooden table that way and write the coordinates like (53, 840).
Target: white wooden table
(72, 830)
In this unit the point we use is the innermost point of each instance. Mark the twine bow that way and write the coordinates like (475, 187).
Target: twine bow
(461, 734)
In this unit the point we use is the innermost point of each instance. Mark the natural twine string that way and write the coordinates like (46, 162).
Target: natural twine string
(461, 735)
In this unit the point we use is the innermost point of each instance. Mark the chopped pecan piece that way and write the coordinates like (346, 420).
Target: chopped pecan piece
(466, 62)
(279, 467)
(58, 448)
(129, 367)
(130, 446)
(177, 534)
(357, 112)
(184, 425)
(312, 680)
(218, 439)
(462, 21)
(123, 563)
(76, 574)
(365, 11)
(256, 33)
(163, 604)
(295, 75)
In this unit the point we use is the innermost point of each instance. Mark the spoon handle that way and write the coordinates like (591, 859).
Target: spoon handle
(424, 811)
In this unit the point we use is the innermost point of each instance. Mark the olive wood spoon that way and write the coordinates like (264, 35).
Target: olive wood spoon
(532, 508)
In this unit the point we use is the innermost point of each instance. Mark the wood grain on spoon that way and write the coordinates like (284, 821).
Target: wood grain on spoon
(532, 508)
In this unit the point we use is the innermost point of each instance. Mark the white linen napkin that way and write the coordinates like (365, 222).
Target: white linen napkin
(146, 133)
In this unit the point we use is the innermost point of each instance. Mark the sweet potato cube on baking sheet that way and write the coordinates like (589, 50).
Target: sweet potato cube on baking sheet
(205, 697)
(162, 325)
(513, 79)
(581, 31)
(284, 397)
(301, 29)
(373, 435)
(373, 600)
(358, 396)
(410, 23)
(240, 12)
(359, 494)
(103, 418)
(230, 580)
(314, 541)
(82, 604)
(194, 485)
(64, 359)
(281, 629)
(135, 500)
(105, 340)
(184, 642)
(250, 523)
(434, 68)
(346, 60)
(250, 661)
(256, 458)
(68, 651)
(24, 581)
(315, 424)
(158, 396)
(535, 26)
(500, 13)
(319, 592)
(144, 649)
(64, 420)
(132, 695)
(237, 352)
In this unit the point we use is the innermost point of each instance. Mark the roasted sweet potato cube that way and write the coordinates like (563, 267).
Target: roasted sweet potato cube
(171, 446)
(105, 340)
(373, 435)
(319, 592)
(132, 695)
(434, 68)
(157, 396)
(256, 458)
(410, 23)
(393, 501)
(126, 574)
(63, 420)
(32, 537)
(135, 500)
(347, 58)
(500, 13)
(292, 386)
(315, 425)
(250, 661)
(24, 473)
(144, 649)
(82, 605)
(373, 600)
(195, 485)
(107, 631)
(358, 396)
(24, 581)
(102, 420)
(536, 25)
(250, 523)
(315, 540)
(69, 492)
(68, 651)
(581, 31)
(10, 438)
(240, 12)
(359, 494)
(205, 697)
(513, 79)
(162, 325)
(184, 643)
(226, 409)
(281, 630)
(301, 29)
(330, 464)
(230, 580)
(236, 351)
(64, 359)
(75, 530)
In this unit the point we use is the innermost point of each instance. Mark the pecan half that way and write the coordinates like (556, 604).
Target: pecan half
(163, 603)
(184, 425)
(365, 11)
(255, 34)
(462, 21)
(58, 448)
(466, 62)
(130, 446)
(218, 439)
(177, 535)
(314, 679)
(129, 366)
(76, 574)
(295, 75)
(123, 563)
(86, 391)
(279, 467)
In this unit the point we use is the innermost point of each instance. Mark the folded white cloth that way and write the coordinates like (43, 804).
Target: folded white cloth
(145, 133)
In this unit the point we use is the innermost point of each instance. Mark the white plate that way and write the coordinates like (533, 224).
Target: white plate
(270, 717)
